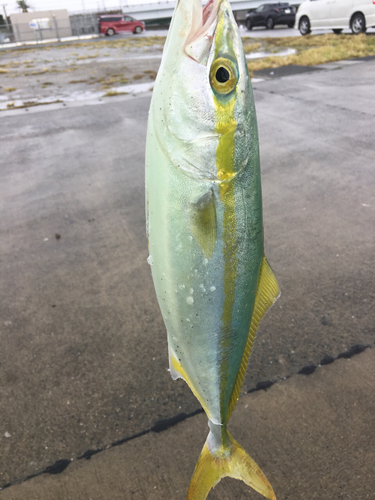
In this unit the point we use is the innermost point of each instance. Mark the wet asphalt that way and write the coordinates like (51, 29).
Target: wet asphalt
(313, 436)
(83, 356)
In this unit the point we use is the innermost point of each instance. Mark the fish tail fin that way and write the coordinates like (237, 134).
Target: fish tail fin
(216, 462)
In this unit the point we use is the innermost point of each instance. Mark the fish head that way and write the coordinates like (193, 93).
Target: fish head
(203, 107)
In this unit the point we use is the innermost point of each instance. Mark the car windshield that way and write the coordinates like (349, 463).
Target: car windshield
(260, 8)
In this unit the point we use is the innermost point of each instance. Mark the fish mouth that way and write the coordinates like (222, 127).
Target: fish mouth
(207, 18)
(204, 20)
(184, 109)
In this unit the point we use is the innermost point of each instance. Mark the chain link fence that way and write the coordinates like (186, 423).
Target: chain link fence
(49, 28)
(6, 34)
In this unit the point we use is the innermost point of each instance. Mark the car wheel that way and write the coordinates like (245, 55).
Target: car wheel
(358, 24)
(138, 30)
(270, 23)
(304, 25)
(110, 31)
(337, 31)
(290, 25)
(248, 24)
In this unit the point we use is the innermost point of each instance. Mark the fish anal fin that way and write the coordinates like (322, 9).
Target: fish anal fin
(203, 223)
(174, 367)
(267, 293)
(232, 461)
(177, 371)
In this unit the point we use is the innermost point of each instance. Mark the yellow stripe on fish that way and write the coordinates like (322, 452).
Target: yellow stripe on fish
(226, 127)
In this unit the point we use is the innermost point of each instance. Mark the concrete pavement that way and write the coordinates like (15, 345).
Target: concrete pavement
(313, 436)
(83, 357)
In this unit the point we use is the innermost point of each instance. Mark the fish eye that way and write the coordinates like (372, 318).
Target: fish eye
(223, 75)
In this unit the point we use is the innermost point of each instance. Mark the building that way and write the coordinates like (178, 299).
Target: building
(37, 26)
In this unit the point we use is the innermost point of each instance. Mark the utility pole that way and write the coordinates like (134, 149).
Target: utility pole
(5, 14)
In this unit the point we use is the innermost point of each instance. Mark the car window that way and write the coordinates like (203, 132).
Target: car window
(260, 8)
(127, 18)
(110, 19)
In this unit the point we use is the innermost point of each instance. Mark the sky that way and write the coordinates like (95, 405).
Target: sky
(71, 5)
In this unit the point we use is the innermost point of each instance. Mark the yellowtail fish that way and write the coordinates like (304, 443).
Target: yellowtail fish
(204, 225)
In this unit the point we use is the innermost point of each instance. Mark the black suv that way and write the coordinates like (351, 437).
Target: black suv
(270, 14)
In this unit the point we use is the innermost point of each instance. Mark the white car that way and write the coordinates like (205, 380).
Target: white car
(336, 15)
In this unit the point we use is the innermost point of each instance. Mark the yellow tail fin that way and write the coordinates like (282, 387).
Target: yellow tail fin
(226, 460)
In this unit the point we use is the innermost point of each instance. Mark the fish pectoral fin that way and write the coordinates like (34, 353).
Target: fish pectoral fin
(231, 460)
(267, 293)
(203, 223)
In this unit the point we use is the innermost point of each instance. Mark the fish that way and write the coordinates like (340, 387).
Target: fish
(204, 225)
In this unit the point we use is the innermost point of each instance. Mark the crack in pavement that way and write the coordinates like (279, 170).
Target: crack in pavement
(162, 425)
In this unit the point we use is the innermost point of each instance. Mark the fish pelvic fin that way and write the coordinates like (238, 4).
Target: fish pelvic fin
(229, 459)
(267, 293)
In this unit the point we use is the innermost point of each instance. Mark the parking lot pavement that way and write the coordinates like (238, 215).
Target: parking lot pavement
(83, 358)
(258, 32)
(278, 31)
(261, 32)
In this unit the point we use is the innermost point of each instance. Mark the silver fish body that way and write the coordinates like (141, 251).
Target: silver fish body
(204, 223)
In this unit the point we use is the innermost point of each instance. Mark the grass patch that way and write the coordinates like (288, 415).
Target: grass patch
(78, 81)
(46, 84)
(90, 56)
(151, 73)
(137, 77)
(311, 49)
(41, 72)
(109, 82)
(11, 64)
(111, 93)
(30, 104)
(21, 51)
(252, 47)
(3, 70)
(126, 43)
(10, 89)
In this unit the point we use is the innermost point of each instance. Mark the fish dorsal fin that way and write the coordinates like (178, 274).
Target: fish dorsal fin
(203, 223)
(267, 293)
